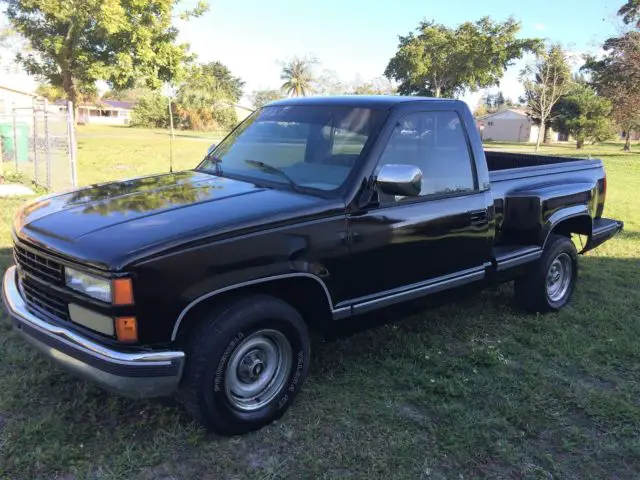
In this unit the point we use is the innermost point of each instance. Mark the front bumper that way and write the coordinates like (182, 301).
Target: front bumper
(132, 374)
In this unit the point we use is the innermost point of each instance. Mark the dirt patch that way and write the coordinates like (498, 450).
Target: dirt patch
(260, 459)
(412, 413)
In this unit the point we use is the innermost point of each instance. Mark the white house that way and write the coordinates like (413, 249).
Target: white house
(105, 112)
(510, 125)
(11, 98)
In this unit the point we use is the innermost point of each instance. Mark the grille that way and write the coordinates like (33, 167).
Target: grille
(47, 303)
(38, 265)
(37, 269)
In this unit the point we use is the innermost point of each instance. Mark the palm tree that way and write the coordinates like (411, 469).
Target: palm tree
(298, 77)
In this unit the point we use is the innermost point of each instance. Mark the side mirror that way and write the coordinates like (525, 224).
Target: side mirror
(404, 180)
(211, 149)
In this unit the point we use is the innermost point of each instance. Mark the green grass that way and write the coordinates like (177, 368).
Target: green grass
(474, 389)
(112, 153)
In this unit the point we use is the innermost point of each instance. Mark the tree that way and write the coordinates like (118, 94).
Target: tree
(151, 111)
(298, 76)
(226, 82)
(545, 82)
(630, 12)
(481, 110)
(206, 99)
(127, 94)
(77, 42)
(584, 115)
(497, 101)
(617, 77)
(51, 93)
(259, 98)
(87, 94)
(440, 61)
(328, 83)
(377, 86)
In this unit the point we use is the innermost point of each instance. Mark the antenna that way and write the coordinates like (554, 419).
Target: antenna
(170, 137)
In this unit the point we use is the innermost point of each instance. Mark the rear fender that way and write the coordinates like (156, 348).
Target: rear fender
(574, 219)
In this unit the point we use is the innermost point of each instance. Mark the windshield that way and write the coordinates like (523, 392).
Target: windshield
(303, 147)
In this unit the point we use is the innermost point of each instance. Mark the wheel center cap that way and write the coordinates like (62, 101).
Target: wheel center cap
(251, 368)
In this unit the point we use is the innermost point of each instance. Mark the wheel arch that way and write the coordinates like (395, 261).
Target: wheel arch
(306, 292)
(568, 221)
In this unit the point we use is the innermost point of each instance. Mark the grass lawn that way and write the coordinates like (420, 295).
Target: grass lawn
(475, 389)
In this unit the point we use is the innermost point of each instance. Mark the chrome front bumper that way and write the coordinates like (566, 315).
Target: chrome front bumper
(138, 374)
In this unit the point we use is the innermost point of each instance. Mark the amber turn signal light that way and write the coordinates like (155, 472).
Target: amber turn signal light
(122, 291)
(127, 329)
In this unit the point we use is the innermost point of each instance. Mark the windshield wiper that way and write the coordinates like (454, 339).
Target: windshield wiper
(270, 168)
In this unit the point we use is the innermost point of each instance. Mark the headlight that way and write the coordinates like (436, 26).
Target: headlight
(95, 287)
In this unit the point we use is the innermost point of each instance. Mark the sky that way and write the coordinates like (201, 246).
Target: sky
(356, 38)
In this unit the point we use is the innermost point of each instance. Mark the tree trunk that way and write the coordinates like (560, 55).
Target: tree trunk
(547, 134)
(627, 142)
(71, 89)
(580, 143)
(437, 92)
(540, 130)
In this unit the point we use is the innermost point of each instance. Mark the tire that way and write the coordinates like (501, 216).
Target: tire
(559, 260)
(257, 344)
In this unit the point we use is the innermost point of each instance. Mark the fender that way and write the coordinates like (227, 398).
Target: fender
(574, 211)
(337, 313)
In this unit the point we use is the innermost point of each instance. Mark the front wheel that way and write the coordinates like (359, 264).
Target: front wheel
(245, 364)
(550, 283)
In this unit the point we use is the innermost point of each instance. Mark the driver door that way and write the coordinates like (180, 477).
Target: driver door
(438, 238)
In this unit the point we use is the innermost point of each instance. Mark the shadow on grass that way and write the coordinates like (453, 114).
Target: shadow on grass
(630, 234)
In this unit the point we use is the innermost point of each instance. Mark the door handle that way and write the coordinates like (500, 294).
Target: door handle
(478, 217)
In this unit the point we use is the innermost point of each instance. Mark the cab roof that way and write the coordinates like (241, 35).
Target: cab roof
(378, 102)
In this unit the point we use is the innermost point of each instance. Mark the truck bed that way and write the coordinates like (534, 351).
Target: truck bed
(528, 189)
(507, 170)
(509, 160)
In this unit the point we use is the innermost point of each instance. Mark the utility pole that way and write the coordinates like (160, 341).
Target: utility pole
(170, 137)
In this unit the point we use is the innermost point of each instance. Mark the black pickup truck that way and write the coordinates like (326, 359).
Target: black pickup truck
(206, 282)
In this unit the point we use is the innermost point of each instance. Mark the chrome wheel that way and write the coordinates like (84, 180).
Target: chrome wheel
(258, 369)
(559, 277)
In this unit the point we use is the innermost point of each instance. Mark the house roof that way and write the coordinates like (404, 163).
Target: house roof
(518, 111)
(119, 104)
(115, 104)
(13, 90)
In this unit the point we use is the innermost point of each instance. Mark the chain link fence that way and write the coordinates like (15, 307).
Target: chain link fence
(39, 143)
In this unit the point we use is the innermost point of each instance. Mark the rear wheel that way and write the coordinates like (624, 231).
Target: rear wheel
(245, 364)
(550, 283)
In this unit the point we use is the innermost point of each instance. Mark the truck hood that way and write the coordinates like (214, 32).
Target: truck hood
(110, 225)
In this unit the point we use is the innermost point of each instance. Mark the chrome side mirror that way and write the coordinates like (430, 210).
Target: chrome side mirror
(404, 180)
(211, 149)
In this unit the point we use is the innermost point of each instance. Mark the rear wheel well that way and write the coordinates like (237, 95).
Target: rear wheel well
(304, 294)
(580, 225)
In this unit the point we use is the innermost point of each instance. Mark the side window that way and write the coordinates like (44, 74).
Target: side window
(435, 143)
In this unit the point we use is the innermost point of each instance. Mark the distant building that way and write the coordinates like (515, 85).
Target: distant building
(11, 98)
(635, 136)
(105, 112)
(511, 125)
